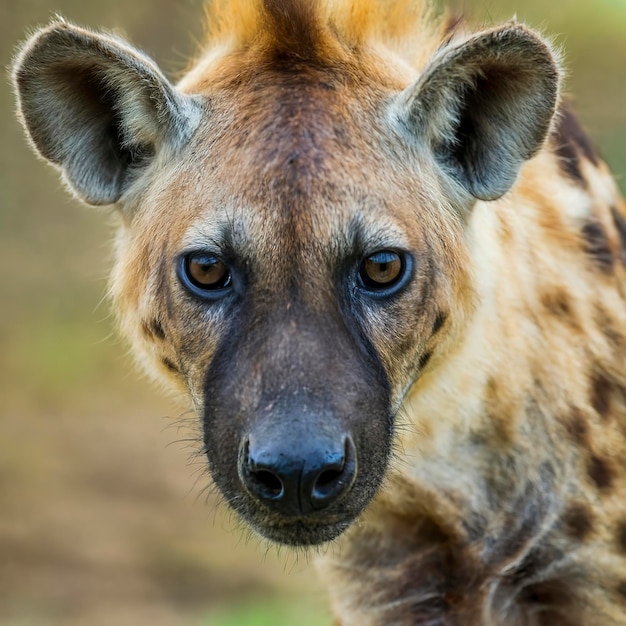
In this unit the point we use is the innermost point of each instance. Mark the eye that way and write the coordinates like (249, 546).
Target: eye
(384, 271)
(204, 274)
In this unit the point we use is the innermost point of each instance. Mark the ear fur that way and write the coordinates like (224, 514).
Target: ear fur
(97, 108)
(485, 106)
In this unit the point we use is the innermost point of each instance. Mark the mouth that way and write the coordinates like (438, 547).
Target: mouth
(303, 530)
(300, 532)
(303, 503)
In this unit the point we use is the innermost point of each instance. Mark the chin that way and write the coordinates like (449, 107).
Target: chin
(300, 533)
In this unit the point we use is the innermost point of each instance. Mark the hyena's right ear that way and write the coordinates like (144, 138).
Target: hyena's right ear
(97, 108)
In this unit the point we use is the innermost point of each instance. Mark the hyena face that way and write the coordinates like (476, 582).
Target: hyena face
(291, 251)
(293, 293)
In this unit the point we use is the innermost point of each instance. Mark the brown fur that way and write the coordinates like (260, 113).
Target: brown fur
(306, 136)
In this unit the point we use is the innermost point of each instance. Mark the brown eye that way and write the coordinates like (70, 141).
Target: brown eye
(205, 272)
(382, 270)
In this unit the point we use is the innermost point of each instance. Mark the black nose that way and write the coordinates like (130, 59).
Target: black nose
(298, 477)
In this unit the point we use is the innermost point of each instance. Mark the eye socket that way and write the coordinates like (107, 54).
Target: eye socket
(204, 273)
(382, 270)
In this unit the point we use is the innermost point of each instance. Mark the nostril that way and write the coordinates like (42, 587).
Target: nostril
(328, 477)
(298, 478)
(335, 479)
(260, 481)
(267, 484)
(326, 483)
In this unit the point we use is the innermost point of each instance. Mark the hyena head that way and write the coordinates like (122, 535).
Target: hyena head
(291, 248)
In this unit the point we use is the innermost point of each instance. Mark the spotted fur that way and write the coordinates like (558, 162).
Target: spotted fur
(487, 397)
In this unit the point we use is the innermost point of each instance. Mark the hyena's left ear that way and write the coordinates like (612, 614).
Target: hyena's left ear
(97, 108)
(484, 106)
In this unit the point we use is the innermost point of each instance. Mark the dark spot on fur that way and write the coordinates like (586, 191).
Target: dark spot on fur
(578, 521)
(440, 320)
(620, 224)
(608, 326)
(500, 412)
(597, 245)
(621, 590)
(554, 601)
(620, 395)
(170, 365)
(503, 428)
(601, 394)
(157, 329)
(431, 558)
(569, 162)
(577, 427)
(600, 472)
(424, 359)
(538, 560)
(620, 536)
(519, 527)
(570, 143)
(616, 339)
(557, 302)
(153, 329)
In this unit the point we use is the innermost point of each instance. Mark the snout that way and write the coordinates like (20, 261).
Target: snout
(298, 476)
(297, 424)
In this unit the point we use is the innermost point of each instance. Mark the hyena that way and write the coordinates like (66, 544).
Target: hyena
(380, 255)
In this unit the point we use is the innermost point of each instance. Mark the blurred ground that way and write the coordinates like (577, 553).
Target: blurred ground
(102, 521)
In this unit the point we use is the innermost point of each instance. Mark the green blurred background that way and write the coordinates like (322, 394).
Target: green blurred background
(104, 517)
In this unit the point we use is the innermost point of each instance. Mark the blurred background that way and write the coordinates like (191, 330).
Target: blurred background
(104, 514)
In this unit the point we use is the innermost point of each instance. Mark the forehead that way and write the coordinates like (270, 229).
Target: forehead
(298, 154)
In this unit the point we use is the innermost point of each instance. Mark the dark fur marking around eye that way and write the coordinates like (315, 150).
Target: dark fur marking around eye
(597, 245)
(578, 521)
(600, 473)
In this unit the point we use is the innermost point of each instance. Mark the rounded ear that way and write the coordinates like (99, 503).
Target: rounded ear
(97, 108)
(484, 106)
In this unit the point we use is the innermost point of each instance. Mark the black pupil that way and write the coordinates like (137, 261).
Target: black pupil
(207, 272)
